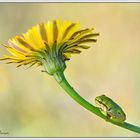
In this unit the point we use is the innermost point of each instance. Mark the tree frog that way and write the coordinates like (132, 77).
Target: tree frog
(110, 109)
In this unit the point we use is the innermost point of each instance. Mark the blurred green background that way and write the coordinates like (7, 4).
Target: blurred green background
(32, 104)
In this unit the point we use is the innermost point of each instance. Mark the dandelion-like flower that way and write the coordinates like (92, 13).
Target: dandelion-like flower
(49, 45)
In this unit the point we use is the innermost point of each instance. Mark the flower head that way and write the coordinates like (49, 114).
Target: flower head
(49, 45)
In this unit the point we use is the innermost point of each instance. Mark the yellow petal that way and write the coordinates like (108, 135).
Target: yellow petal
(15, 53)
(49, 28)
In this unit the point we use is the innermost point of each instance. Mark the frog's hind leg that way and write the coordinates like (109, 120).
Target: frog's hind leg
(108, 116)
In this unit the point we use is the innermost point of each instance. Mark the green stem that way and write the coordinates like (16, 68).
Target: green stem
(60, 78)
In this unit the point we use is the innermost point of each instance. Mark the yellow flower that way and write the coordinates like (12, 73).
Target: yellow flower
(49, 44)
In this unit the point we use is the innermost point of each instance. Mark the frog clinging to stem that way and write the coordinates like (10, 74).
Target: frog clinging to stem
(110, 109)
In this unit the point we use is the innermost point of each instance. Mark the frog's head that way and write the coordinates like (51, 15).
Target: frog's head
(100, 99)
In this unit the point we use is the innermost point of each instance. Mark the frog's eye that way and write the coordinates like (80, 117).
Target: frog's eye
(98, 99)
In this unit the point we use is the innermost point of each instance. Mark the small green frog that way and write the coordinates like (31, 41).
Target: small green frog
(110, 109)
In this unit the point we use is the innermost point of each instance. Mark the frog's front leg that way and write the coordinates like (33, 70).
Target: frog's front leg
(104, 111)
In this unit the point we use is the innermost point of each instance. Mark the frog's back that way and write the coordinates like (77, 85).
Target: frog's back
(110, 102)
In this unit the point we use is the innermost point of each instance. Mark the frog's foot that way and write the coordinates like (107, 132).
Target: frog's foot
(101, 110)
(107, 118)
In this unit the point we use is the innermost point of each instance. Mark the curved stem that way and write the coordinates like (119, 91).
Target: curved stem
(60, 78)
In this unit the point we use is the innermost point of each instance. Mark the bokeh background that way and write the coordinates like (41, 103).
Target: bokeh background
(32, 104)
